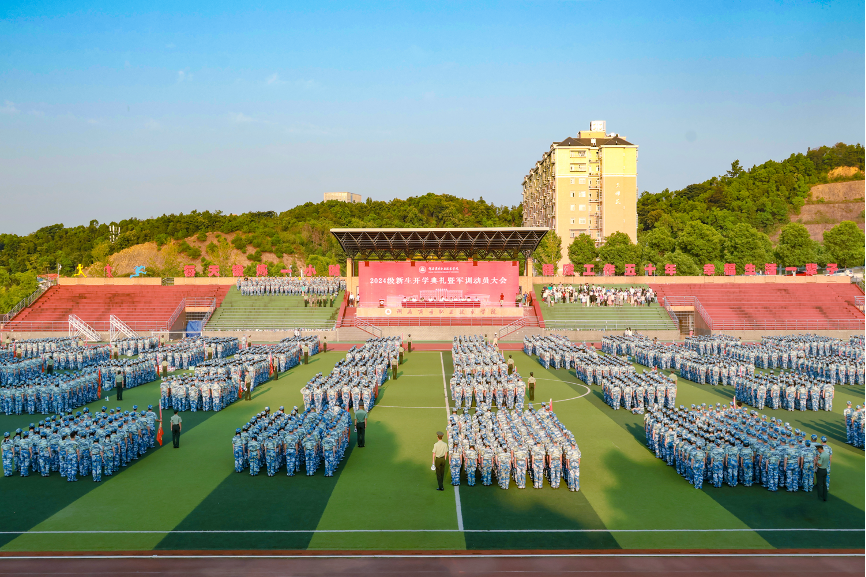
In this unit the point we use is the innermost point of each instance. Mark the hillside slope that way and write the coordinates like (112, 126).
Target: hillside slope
(830, 204)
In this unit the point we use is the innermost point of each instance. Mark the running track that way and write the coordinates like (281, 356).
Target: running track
(745, 563)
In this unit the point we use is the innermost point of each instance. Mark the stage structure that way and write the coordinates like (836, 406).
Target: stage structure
(437, 276)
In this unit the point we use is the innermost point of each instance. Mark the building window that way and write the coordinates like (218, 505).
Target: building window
(572, 234)
(572, 207)
(582, 194)
(581, 180)
(581, 221)
(582, 207)
(572, 221)
(572, 181)
(572, 192)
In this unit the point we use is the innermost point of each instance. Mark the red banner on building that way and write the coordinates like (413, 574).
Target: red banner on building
(393, 283)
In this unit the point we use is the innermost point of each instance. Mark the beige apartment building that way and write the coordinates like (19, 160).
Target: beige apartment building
(344, 196)
(584, 185)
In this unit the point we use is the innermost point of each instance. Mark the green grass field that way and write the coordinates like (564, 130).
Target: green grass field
(383, 496)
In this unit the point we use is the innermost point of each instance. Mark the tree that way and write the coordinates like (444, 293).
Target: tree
(701, 241)
(582, 251)
(170, 260)
(221, 253)
(100, 257)
(618, 250)
(15, 287)
(686, 265)
(549, 251)
(795, 247)
(844, 243)
(746, 245)
(655, 244)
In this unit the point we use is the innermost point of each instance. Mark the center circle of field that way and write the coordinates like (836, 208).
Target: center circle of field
(570, 383)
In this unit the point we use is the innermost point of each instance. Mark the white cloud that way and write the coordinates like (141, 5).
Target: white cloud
(274, 79)
(307, 84)
(152, 124)
(240, 117)
(37, 113)
(181, 76)
(8, 108)
(93, 121)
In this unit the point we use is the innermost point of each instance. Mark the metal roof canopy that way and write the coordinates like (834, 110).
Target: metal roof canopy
(439, 243)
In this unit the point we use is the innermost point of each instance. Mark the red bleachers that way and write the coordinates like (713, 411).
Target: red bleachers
(140, 307)
(782, 306)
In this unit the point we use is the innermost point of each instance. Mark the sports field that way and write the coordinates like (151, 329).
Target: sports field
(383, 497)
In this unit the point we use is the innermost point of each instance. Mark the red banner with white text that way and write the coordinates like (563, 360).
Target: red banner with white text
(407, 284)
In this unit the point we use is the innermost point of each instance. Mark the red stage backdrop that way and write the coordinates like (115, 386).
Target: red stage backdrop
(394, 281)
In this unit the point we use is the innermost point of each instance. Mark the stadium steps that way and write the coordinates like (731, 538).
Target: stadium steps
(271, 312)
(771, 302)
(143, 305)
(577, 316)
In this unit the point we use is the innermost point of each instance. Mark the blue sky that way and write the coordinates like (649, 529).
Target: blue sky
(124, 109)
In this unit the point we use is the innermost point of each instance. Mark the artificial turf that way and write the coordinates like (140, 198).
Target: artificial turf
(383, 496)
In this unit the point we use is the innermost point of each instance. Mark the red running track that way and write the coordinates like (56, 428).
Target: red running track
(475, 564)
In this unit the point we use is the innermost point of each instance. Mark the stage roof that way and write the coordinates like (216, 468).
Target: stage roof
(439, 243)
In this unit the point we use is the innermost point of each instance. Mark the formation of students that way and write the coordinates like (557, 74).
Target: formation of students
(321, 433)
(131, 346)
(85, 444)
(715, 370)
(710, 344)
(510, 444)
(646, 351)
(47, 394)
(817, 345)
(726, 445)
(785, 391)
(293, 440)
(854, 418)
(634, 392)
(556, 351)
(196, 393)
(594, 295)
(135, 372)
(355, 380)
(26, 348)
(311, 285)
(482, 374)
(192, 351)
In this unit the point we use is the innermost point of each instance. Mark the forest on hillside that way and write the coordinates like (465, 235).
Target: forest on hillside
(724, 219)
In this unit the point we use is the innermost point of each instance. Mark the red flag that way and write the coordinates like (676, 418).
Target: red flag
(159, 432)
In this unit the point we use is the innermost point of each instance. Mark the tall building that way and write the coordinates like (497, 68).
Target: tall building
(344, 196)
(584, 185)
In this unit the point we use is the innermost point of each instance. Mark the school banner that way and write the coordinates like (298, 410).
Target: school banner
(393, 284)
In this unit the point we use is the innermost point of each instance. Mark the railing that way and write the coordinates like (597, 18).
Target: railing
(688, 301)
(79, 327)
(288, 325)
(435, 321)
(368, 327)
(859, 282)
(788, 325)
(511, 328)
(673, 315)
(181, 307)
(609, 325)
(117, 327)
(859, 302)
(28, 300)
